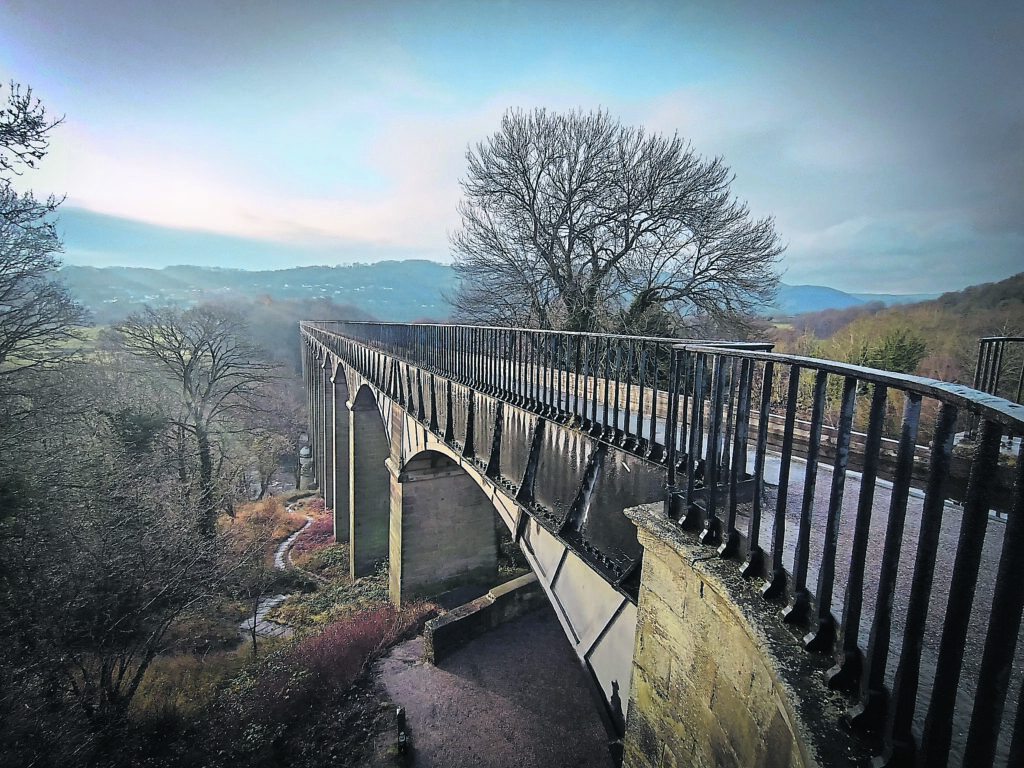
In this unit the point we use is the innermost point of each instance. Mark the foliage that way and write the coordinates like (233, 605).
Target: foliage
(289, 682)
(899, 349)
(186, 683)
(319, 534)
(949, 328)
(329, 562)
(267, 449)
(220, 710)
(567, 216)
(341, 599)
(267, 521)
(106, 581)
(316, 551)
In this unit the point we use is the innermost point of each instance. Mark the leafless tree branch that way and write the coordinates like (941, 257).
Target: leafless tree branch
(576, 221)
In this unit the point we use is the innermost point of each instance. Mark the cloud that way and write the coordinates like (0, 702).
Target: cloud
(903, 253)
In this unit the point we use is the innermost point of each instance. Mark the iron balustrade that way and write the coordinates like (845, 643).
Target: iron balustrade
(995, 353)
(722, 419)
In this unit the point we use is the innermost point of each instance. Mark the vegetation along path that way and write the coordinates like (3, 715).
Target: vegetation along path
(264, 626)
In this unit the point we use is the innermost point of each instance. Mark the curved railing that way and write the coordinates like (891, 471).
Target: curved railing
(847, 492)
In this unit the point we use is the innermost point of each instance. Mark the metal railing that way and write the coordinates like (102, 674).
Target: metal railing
(896, 568)
(614, 387)
(924, 619)
(996, 353)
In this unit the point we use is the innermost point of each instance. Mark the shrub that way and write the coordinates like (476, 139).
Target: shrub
(266, 523)
(319, 534)
(184, 683)
(341, 599)
(282, 688)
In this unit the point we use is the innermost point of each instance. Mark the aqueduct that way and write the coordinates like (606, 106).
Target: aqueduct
(760, 559)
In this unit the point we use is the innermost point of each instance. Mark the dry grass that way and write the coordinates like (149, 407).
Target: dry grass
(265, 524)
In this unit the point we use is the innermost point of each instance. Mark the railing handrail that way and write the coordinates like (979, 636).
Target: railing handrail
(592, 334)
(999, 409)
(981, 403)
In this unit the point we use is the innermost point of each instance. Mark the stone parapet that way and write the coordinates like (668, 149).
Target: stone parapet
(718, 679)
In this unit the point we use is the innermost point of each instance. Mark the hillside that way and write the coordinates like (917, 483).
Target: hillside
(392, 291)
(395, 291)
(949, 327)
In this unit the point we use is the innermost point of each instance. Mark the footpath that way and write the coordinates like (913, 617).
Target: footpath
(516, 697)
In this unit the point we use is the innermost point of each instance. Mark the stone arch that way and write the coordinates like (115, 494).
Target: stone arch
(442, 528)
(369, 487)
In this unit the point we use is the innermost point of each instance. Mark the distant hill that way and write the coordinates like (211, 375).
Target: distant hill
(797, 299)
(394, 291)
(949, 325)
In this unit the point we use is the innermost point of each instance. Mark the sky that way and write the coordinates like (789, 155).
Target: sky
(885, 138)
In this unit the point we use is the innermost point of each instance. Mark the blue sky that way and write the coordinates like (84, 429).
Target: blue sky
(887, 139)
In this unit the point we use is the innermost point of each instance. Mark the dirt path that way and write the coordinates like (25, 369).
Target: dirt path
(514, 698)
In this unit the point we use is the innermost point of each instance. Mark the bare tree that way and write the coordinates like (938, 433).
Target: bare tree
(575, 221)
(99, 560)
(37, 314)
(204, 356)
(24, 129)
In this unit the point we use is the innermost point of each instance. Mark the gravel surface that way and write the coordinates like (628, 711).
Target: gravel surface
(515, 698)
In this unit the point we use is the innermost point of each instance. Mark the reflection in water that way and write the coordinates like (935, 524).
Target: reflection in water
(624, 481)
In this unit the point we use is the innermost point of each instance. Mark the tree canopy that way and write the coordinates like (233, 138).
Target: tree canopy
(578, 222)
(211, 368)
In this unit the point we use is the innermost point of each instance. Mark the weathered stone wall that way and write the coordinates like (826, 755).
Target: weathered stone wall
(717, 680)
(447, 633)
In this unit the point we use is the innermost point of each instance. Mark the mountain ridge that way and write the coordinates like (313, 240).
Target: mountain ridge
(394, 291)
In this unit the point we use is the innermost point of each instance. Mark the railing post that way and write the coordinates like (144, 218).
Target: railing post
(755, 567)
(776, 587)
(824, 637)
(937, 734)
(712, 524)
(694, 515)
(1001, 639)
(731, 545)
(672, 500)
(797, 612)
(871, 713)
(847, 676)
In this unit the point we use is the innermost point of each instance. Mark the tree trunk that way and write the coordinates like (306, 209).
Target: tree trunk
(207, 508)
